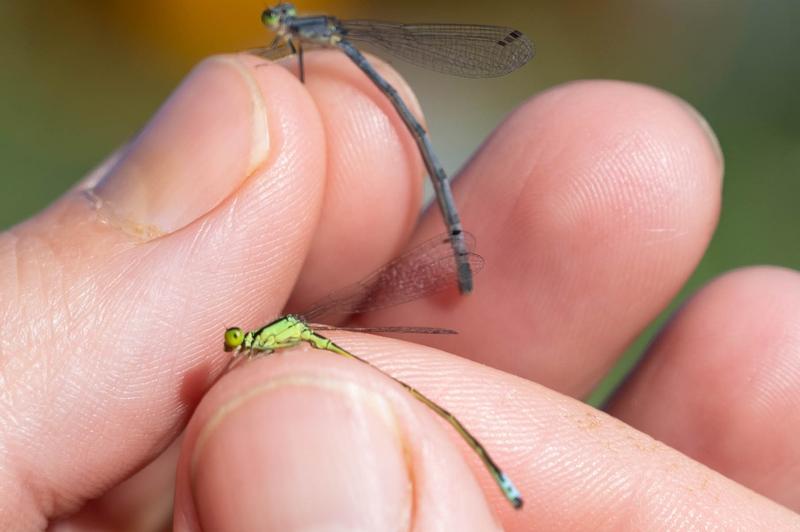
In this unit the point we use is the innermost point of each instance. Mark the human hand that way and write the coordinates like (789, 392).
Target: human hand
(592, 203)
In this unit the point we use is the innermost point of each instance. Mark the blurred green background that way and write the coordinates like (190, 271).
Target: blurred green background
(80, 77)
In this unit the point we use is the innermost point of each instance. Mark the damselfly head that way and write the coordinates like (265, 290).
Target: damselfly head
(275, 16)
(233, 339)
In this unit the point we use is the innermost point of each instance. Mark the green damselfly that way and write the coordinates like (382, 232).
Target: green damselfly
(467, 50)
(424, 270)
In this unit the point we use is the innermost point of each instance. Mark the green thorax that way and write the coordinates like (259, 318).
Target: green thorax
(287, 331)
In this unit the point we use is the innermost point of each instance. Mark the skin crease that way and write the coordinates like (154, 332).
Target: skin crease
(609, 193)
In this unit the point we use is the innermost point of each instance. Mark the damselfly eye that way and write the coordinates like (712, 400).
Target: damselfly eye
(270, 17)
(233, 338)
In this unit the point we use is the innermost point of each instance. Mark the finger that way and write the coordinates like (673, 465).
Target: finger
(374, 184)
(367, 155)
(111, 304)
(721, 382)
(575, 467)
(305, 440)
(203, 221)
(591, 204)
(142, 502)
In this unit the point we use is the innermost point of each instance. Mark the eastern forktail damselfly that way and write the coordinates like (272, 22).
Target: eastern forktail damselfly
(425, 270)
(467, 50)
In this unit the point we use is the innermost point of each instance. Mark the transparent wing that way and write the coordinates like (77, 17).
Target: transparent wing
(279, 50)
(424, 270)
(398, 329)
(466, 50)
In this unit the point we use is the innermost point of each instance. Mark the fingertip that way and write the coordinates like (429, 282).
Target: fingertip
(301, 453)
(308, 439)
(609, 190)
(719, 383)
(213, 131)
(605, 144)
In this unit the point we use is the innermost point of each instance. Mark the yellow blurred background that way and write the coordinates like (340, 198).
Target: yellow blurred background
(80, 77)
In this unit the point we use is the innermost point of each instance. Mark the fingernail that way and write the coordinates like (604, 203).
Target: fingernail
(204, 141)
(300, 453)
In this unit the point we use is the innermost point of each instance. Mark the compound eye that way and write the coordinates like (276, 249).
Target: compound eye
(270, 17)
(234, 337)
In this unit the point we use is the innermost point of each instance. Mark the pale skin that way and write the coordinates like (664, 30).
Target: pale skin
(591, 204)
